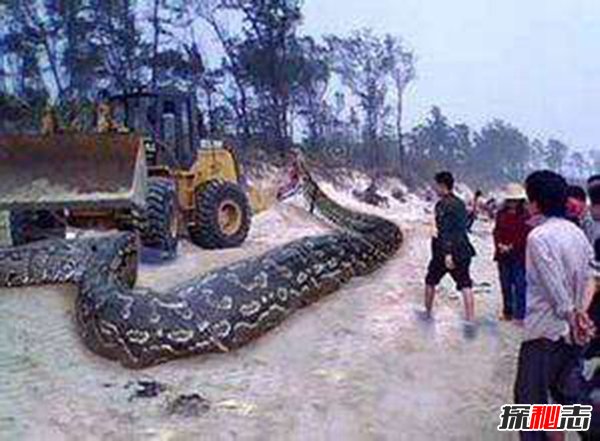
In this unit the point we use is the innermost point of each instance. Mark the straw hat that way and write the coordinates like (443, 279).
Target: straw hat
(514, 191)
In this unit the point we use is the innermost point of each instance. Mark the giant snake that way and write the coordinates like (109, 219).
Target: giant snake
(215, 312)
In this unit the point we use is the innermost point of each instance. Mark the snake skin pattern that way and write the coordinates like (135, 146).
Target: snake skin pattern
(215, 312)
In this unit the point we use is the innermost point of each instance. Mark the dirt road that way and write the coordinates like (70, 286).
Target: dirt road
(359, 365)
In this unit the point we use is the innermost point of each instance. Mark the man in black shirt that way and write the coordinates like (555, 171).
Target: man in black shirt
(451, 250)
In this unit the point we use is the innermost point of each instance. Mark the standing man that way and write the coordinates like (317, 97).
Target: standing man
(576, 204)
(591, 227)
(556, 325)
(450, 248)
(591, 222)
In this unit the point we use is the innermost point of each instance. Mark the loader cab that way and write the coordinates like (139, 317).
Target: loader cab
(193, 184)
(169, 120)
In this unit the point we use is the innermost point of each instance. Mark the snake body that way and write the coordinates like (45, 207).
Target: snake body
(216, 312)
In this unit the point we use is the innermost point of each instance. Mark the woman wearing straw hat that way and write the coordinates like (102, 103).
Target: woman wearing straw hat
(510, 240)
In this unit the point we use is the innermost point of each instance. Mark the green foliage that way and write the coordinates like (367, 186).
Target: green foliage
(370, 66)
(270, 59)
(450, 146)
(363, 64)
(556, 154)
(496, 154)
(501, 153)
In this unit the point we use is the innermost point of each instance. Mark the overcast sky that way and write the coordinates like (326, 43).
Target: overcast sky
(535, 63)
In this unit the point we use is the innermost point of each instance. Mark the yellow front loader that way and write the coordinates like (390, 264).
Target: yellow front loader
(147, 171)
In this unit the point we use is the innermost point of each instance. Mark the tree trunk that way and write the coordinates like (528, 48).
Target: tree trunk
(400, 86)
(74, 86)
(401, 148)
(34, 21)
(155, 42)
(130, 32)
(241, 104)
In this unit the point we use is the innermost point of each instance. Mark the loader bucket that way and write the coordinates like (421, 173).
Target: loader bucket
(72, 171)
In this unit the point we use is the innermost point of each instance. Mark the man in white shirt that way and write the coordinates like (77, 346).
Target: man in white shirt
(556, 324)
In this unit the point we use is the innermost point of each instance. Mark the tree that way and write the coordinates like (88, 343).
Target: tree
(595, 160)
(433, 139)
(363, 63)
(402, 72)
(236, 96)
(556, 153)
(537, 156)
(27, 37)
(264, 61)
(501, 153)
(73, 26)
(166, 51)
(120, 43)
(309, 92)
(578, 165)
(270, 57)
(462, 145)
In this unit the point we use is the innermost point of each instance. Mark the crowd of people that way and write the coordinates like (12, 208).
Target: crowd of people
(547, 248)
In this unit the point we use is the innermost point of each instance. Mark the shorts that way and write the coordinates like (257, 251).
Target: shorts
(461, 273)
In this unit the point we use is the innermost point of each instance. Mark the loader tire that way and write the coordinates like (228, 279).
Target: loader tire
(131, 220)
(222, 217)
(29, 226)
(159, 224)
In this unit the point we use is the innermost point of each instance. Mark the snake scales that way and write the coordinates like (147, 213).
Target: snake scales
(215, 312)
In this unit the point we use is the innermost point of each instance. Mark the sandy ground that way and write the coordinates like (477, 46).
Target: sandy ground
(359, 365)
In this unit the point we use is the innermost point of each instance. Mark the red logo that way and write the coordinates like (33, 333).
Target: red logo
(543, 417)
